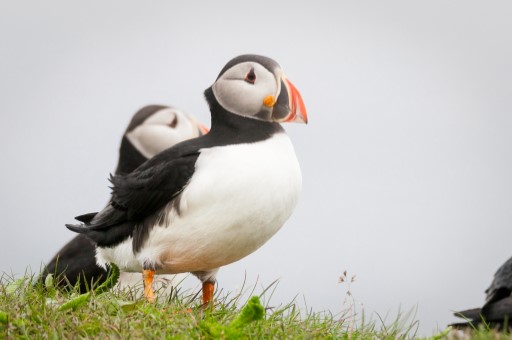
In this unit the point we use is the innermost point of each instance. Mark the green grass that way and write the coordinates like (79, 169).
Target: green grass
(482, 331)
(34, 310)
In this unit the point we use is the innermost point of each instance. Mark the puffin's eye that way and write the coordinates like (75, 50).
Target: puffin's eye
(174, 122)
(250, 77)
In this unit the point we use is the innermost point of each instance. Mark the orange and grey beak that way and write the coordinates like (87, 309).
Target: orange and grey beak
(202, 129)
(289, 106)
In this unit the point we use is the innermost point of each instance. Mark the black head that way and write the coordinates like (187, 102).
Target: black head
(255, 86)
(155, 128)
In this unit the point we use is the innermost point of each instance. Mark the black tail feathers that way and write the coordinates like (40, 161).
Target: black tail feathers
(86, 218)
(77, 228)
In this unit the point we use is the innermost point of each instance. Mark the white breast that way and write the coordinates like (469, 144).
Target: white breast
(239, 196)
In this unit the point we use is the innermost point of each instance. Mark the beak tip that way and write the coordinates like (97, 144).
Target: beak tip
(304, 115)
(302, 119)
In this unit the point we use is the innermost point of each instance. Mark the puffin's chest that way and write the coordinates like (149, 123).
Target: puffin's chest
(238, 197)
(254, 178)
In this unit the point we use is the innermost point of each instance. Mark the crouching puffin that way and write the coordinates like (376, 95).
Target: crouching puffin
(497, 310)
(210, 201)
(152, 129)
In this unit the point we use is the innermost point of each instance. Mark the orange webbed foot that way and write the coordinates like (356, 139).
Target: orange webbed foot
(147, 276)
(208, 292)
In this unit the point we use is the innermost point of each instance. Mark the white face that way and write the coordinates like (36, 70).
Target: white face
(244, 88)
(162, 130)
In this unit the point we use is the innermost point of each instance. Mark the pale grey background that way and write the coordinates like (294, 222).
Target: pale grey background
(406, 160)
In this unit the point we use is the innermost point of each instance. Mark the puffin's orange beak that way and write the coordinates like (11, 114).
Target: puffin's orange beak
(204, 130)
(289, 106)
(298, 109)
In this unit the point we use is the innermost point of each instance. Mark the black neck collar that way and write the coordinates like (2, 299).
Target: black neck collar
(238, 129)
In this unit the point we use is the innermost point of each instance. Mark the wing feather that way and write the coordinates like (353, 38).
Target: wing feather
(138, 196)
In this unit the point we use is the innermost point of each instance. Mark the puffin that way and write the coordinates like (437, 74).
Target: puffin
(151, 130)
(497, 309)
(210, 201)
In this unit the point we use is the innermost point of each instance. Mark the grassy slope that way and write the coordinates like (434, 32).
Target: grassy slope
(29, 310)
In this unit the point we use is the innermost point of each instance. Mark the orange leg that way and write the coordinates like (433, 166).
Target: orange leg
(147, 275)
(208, 289)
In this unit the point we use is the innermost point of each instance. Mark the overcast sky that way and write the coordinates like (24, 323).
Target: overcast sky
(406, 160)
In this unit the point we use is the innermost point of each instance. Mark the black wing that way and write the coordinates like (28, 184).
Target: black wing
(147, 190)
(139, 195)
(501, 286)
(499, 311)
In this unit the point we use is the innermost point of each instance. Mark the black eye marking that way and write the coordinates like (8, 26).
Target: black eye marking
(174, 122)
(250, 77)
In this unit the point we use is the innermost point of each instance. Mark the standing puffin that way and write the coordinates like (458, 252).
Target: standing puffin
(152, 129)
(210, 201)
(497, 310)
